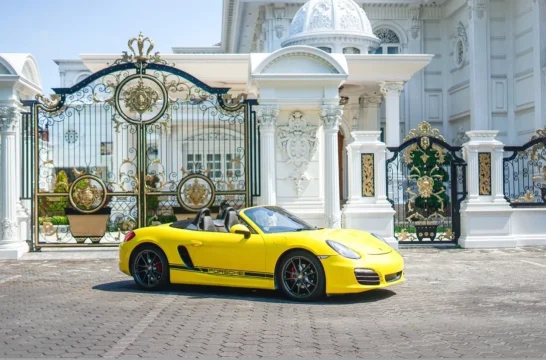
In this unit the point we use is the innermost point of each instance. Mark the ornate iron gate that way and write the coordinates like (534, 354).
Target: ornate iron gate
(426, 183)
(139, 143)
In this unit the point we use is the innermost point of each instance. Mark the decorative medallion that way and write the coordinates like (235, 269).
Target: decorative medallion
(484, 164)
(88, 194)
(141, 99)
(196, 192)
(368, 175)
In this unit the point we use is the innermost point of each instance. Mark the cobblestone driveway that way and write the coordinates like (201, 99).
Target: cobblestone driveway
(455, 303)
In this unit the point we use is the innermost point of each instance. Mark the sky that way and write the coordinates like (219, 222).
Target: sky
(62, 29)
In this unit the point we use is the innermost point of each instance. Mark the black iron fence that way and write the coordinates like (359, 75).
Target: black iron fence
(525, 173)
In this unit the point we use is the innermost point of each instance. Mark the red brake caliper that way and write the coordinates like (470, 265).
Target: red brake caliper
(159, 266)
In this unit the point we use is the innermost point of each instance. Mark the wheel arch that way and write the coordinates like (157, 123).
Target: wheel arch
(144, 243)
(287, 252)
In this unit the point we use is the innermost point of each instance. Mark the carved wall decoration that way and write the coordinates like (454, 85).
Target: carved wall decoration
(461, 45)
(484, 164)
(298, 144)
(415, 14)
(368, 189)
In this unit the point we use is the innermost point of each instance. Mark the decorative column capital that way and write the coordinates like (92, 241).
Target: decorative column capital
(370, 100)
(9, 119)
(391, 88)
(331, 116)
(267, 116)
(475, 7)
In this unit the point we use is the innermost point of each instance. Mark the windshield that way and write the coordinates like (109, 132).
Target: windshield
(272, 219)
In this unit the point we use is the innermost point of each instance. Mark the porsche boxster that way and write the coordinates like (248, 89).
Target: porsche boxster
(263, 247)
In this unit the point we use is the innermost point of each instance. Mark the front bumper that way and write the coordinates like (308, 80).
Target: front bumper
(370, 272)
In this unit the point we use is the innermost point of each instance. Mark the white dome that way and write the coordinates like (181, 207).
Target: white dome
(334, 24)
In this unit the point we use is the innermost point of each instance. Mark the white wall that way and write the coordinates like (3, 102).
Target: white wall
(500, 51)
(523, 99)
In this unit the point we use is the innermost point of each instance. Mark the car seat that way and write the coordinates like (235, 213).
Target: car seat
(231, 219)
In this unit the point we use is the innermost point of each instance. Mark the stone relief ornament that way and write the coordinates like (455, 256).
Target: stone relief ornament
(298, 144)
(9, 229)
(320, 18)
(415, 13)
(461, 137)
(331, 116)
(475, 5)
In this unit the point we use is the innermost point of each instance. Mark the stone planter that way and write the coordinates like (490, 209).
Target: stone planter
(92, 226)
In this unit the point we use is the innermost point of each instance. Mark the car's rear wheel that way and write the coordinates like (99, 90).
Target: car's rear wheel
(301, 277)
(150, 268)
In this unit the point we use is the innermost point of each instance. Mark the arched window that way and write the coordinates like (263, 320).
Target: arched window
(390, 42)
(326, 49)
(351, 50)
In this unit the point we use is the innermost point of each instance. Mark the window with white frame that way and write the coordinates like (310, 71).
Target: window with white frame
(214, 165)
(195, 163)
(390, 42)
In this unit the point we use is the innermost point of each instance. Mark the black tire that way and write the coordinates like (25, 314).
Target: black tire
(298, 285)
(150, 268)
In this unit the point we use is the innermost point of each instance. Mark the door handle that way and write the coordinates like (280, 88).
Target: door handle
(196, 243)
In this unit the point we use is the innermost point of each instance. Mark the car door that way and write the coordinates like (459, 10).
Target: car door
(222, 251)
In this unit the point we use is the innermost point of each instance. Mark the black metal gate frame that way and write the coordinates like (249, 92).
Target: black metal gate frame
(457, 179)
(252, 152)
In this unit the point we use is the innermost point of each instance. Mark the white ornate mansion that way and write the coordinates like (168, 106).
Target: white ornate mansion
(337, 82)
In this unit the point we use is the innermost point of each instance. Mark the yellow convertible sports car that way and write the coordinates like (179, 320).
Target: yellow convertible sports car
(263, 247)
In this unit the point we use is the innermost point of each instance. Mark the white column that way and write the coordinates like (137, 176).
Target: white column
(11, 246)
(539, 53)
(391, 91)
(478, 45)
(370, 105)
(485, 218)
(331, 116)
(267, 119)
(413, 97)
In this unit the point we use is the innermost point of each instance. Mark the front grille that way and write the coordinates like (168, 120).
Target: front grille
(367, 277)
(393, 277)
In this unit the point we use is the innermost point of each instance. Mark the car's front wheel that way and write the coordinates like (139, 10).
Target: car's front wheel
(301, 277)
(150, 268)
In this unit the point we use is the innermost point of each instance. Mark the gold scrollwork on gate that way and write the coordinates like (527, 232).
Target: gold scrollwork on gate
(484, 164)
(196, 192)
(87, 194)
(368, 189)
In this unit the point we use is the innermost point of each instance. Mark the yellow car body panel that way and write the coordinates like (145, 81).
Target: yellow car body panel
(228, 259)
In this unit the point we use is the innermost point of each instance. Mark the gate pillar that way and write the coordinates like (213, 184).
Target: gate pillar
(267, 117)
(367, 207)
(11, 244)
(485, 215)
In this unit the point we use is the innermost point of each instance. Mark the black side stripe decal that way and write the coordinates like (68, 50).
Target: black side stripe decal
(223, 272)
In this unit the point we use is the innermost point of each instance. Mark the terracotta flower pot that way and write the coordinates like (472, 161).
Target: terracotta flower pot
(92, 226)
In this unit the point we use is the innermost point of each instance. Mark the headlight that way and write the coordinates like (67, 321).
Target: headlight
(380, 238)
(343, 250)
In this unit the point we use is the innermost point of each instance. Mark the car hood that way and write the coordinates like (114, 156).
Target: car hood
(359, 241)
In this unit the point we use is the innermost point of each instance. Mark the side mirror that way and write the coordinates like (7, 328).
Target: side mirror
(240, 229)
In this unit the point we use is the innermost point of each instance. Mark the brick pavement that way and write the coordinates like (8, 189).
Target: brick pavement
(455, 303)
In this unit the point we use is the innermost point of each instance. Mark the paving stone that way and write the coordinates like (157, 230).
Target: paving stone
(455, 303)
